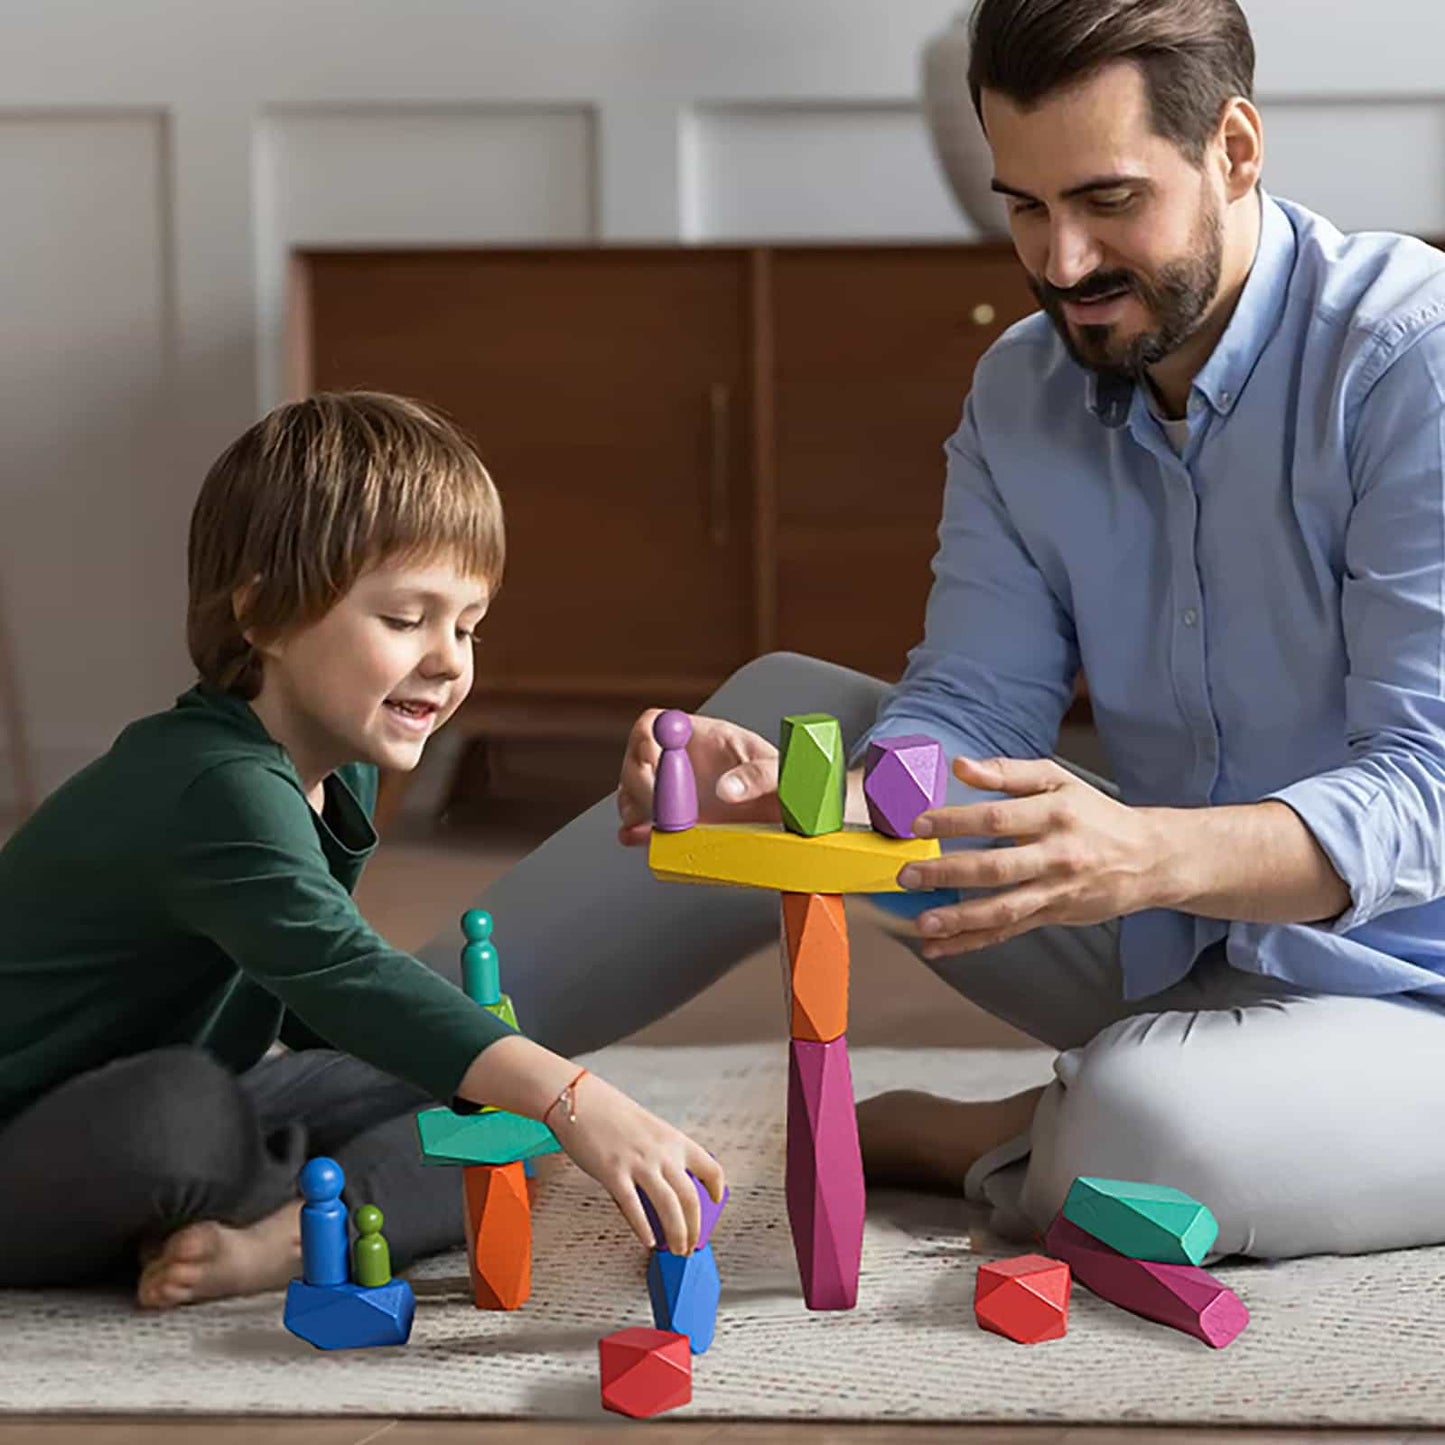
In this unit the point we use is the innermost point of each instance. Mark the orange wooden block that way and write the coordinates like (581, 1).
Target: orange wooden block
(499, 1234)
(815, 934)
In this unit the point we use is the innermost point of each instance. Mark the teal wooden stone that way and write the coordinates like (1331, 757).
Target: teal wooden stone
(1144, 1221)
(491, 1137)
(811, 774)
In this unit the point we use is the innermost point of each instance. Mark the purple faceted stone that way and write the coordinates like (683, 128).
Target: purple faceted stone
(903, 777)
(710, 1212)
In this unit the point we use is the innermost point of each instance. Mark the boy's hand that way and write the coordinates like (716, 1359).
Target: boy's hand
(736, 772)
(625, 1149)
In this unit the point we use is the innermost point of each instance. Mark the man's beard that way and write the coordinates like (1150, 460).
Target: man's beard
(1177, 302)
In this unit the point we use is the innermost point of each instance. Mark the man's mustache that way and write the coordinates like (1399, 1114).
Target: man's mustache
(1101, 283)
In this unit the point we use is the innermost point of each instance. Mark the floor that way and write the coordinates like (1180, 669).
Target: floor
(422, 878)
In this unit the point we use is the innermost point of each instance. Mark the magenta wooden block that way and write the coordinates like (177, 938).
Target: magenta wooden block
(826, 1199)
(1182, 1296)
(674, 796)
(903, 777)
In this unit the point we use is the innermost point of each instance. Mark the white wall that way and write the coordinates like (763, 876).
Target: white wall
(159, 157)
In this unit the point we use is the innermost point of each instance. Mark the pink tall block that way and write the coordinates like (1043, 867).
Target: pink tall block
(825, 1192)
(1182, 1296)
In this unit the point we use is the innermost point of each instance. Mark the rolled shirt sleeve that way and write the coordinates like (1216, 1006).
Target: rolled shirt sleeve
(1380, 818)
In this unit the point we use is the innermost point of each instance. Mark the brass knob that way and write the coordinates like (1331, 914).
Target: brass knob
(983, 314)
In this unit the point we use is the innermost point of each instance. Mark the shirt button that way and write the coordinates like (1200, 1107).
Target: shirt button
(1190, 616)
(1225, 398)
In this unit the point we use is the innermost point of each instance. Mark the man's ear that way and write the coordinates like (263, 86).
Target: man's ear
(1242, 139)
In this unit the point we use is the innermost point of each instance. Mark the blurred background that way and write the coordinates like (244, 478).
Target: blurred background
(706, 280)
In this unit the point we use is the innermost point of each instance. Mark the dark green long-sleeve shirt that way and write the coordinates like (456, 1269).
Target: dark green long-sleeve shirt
(181, 889)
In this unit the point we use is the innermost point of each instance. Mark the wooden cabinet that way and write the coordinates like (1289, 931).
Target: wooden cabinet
(704, 452)
(875, 352)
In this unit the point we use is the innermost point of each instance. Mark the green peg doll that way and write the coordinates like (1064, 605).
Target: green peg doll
(370, 1256)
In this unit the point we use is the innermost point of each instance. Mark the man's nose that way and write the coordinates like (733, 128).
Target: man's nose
(1073, 255)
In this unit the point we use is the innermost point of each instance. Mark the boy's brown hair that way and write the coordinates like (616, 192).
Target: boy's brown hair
(301, 504)
(1195, 55)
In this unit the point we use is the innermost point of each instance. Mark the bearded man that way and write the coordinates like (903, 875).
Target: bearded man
(1211, 472)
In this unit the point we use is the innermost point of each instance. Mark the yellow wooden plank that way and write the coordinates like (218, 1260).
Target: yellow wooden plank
(760, 855)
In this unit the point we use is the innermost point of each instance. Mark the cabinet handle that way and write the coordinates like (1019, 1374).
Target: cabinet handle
(719, 488)
(983, 314)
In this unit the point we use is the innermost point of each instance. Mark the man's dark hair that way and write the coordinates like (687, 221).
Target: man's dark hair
(1196, 55)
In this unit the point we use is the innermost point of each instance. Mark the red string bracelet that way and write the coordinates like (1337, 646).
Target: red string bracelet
(568, 1097)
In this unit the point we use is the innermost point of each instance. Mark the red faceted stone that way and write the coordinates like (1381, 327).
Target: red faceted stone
(1026, 1298)
(645, 1372)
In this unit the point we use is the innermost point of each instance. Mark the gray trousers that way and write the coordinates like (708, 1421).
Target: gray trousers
(1309, 1123)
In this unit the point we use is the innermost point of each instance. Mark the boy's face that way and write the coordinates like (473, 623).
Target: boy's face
(379, 673)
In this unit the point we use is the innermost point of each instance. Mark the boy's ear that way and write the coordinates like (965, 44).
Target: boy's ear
(242, 598)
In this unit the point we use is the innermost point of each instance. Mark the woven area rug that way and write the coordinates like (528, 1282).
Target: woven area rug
(1354, 1341)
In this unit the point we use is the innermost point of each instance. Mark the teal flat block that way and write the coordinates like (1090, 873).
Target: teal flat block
(1145, 1221)
(685, 1289)
(491, 1137)
(349, 1316)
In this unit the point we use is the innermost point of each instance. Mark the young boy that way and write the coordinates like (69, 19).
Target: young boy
(185, 901)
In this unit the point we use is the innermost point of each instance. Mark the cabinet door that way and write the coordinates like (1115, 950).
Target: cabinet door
(875, 351)
(607, 392)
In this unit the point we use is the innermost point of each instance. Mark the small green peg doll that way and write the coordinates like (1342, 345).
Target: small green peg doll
(482, 969)
(370, 1254)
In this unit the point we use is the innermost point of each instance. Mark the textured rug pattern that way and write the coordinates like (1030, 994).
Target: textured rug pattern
(1339, 1341)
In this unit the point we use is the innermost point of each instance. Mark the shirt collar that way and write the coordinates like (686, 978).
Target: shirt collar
(1255, 320)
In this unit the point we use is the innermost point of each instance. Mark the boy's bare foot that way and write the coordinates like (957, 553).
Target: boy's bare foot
(919, 1141)
(215, 1261)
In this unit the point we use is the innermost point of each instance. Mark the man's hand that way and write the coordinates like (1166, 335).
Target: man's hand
(1078, 856)
(736, 772)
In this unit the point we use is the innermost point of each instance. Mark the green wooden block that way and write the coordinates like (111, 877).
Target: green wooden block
(1144, 1221)
(491, 1137)
(811, 774)
(504, 1011)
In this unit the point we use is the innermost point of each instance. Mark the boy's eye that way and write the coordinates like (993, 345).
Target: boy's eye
(403, 624)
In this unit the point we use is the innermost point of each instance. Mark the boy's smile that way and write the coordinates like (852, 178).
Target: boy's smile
(378, 674)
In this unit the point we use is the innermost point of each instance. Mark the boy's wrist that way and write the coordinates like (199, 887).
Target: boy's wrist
(518, 1075)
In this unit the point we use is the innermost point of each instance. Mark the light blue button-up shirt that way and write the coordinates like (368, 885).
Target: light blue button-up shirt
(1260, 617)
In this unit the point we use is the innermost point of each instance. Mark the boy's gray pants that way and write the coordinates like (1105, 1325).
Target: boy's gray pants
(1309, 1123)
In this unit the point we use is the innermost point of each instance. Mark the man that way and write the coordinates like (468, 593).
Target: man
(1210, 472)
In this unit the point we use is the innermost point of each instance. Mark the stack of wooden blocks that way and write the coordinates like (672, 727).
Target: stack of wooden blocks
(812, 861)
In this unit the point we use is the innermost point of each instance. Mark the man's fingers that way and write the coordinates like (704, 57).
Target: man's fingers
(748, 781)
(1026, 817)
(1010, 912)
(977, 868)
(1011, 775)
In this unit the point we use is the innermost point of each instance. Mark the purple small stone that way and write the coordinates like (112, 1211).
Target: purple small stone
(710, 1213)
(674, 796)
(903, 777)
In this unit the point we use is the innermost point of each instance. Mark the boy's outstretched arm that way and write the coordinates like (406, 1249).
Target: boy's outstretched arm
(618, 1142)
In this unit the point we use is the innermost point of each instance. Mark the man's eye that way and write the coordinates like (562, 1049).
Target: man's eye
(1023, 208)
(403, 624)
(1111, 201)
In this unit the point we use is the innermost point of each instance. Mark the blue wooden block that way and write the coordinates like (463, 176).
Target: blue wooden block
(349, 1317)
(491, 1137)
(685, 1289)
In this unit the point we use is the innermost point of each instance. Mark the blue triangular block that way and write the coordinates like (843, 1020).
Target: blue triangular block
(348, 1316)
(685, 1289)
